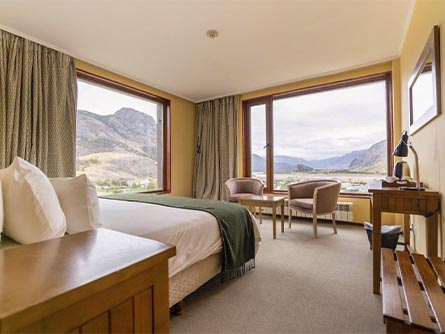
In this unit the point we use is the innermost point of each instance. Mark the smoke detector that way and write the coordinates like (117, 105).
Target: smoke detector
(212, 34)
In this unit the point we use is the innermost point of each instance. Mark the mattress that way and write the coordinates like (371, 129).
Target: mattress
(194, 233)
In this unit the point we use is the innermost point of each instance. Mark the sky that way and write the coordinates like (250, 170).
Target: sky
(105, 101)
(324, 124)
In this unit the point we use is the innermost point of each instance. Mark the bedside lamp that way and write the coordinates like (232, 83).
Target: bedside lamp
(401, 150)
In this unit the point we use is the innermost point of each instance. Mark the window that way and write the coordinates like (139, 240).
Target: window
(122, 137)
(338, 131)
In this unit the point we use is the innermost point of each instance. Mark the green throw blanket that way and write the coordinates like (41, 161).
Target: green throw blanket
(234, 223)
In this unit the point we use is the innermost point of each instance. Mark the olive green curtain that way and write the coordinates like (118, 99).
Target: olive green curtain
(216, 132)
(38, 93)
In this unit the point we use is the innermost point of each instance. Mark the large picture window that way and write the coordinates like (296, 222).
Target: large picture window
(339, 131)
(122, 137)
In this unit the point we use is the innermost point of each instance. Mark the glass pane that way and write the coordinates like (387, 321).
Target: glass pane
(258, 140)
(422, 92)
(337, 134)
(119, 140)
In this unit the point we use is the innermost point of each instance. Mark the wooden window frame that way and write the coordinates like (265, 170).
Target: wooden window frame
(268, 101)
(118, 86)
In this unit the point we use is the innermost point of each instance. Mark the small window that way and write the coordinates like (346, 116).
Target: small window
(121, 137)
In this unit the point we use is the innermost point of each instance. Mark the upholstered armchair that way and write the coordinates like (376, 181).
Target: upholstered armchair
(241, 186)
(314, 197)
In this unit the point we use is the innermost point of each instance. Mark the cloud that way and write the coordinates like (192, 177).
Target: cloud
(325, 124)
(104, 101)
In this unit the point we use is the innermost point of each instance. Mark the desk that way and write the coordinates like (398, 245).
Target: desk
(407, 202)
(266, 202)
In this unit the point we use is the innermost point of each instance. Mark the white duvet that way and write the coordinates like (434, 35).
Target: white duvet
(194, 233)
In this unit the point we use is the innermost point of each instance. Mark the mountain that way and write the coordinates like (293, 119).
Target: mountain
(302, 169)
(125, 130)
(371, 160)
(341, 162)
(285, 164)
(258, 163)
(289, 160)
(120, 145)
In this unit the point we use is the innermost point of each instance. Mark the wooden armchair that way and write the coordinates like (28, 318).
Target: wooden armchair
(314, 197)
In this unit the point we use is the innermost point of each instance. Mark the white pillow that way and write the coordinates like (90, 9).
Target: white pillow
(31, 208)
(1, 211)
(78, 198)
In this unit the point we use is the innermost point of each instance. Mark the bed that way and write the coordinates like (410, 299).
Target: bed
(195, 234)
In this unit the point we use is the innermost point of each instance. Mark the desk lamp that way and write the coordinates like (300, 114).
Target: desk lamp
(401, 150)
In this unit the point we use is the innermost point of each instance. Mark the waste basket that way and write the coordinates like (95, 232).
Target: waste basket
(390, 235)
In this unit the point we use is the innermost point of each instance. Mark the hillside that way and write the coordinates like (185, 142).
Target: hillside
(117, 146)
(371, 160)
(125, 130)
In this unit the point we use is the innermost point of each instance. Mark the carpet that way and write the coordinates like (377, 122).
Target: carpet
(300, 285)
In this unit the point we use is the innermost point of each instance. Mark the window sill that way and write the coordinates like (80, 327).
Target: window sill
(355, 195)
(342, 195)
(155, 192)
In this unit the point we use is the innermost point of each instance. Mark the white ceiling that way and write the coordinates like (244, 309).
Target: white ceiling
(262, 43)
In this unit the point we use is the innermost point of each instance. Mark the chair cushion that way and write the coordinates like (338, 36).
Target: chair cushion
(236, 197)
(302, 203)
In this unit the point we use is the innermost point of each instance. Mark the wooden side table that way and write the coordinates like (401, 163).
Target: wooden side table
(267, 202)
(407, 202)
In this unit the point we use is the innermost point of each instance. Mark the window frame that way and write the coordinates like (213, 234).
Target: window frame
(267, 100)
(120, 87)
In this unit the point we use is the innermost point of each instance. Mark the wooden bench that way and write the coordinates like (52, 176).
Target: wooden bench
(413, 292)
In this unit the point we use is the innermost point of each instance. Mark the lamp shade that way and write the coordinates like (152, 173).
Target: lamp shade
(401, 149)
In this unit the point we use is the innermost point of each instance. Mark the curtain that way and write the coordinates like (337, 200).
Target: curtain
(38, 93)
(216, 129)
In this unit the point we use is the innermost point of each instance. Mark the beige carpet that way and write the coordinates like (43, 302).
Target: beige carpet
(300, 285)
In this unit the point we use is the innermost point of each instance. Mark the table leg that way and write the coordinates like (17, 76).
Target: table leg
(274, 221)
(431, 230)
(376, 246)
(261, 215)
(406, 231)
(282, 218)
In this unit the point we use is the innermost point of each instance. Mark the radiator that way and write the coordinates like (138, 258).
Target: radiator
(343, 212)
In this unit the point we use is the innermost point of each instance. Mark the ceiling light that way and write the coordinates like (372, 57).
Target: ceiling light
(212, 34)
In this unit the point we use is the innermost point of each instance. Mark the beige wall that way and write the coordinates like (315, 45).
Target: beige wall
(429, 141)
(182, 130)
(361, 206)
